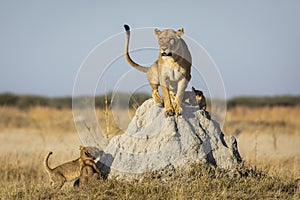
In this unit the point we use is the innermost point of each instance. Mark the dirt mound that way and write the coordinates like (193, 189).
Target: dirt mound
(155, 142)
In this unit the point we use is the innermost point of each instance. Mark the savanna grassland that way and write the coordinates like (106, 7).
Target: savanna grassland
(268, 140)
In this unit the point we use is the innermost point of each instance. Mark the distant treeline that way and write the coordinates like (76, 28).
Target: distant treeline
(27, 101)
(264, 101)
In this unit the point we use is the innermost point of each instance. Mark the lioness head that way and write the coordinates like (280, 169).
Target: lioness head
(168, 40)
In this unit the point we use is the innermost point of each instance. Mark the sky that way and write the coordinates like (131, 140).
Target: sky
(255, 44)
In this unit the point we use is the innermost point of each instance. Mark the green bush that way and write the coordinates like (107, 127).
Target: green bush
(135, 100)
(8, 99)
(27, 101)
(264, 101)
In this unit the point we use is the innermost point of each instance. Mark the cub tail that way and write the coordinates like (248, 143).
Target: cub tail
(46, 161)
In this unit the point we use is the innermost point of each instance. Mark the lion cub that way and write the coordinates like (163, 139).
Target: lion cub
(71, 170)
(200, 98)
(194, 98)
(88, 174)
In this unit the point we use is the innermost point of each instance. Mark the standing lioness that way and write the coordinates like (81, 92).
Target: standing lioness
(171, 71)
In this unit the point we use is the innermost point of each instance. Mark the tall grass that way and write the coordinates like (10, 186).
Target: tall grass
(36, 119)
(23, 175)
(28, 180)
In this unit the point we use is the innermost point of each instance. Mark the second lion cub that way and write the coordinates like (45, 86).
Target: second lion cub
(69, 171)
(200, 98)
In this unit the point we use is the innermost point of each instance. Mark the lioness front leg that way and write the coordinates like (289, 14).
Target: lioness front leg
(155, 95)
(172, 96)
(182, 84)
(169, 111)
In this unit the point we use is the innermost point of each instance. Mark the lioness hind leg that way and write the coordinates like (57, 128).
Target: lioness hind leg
(155, 94)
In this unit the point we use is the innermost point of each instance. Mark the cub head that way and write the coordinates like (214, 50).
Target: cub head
(168, 40)
(87, 152)
(84, 152)
(198, 94)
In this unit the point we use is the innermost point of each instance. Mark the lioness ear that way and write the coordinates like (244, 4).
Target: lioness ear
(157, 32)
(179, 32)
(193, 89)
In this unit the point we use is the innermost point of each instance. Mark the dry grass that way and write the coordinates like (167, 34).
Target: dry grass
(27, 180)
(36, 119)
(267, 138)
(263, 119)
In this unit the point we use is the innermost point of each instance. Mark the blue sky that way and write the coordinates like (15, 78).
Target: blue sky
(255, 44)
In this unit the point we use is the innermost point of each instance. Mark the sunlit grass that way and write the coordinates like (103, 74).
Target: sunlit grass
(28, 180)
(269, 171)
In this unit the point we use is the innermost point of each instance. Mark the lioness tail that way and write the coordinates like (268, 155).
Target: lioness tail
(128, 58)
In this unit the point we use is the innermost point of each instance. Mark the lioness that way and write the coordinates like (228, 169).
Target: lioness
(71, 170)
(171, 71)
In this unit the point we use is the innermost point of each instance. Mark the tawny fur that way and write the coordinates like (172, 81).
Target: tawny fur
(88, 175)
(171, 71)
(71, 170)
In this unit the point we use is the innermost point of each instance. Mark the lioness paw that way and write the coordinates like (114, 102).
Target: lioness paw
(169, 112)
(158, 100)
(178, 110)
(177, 106)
